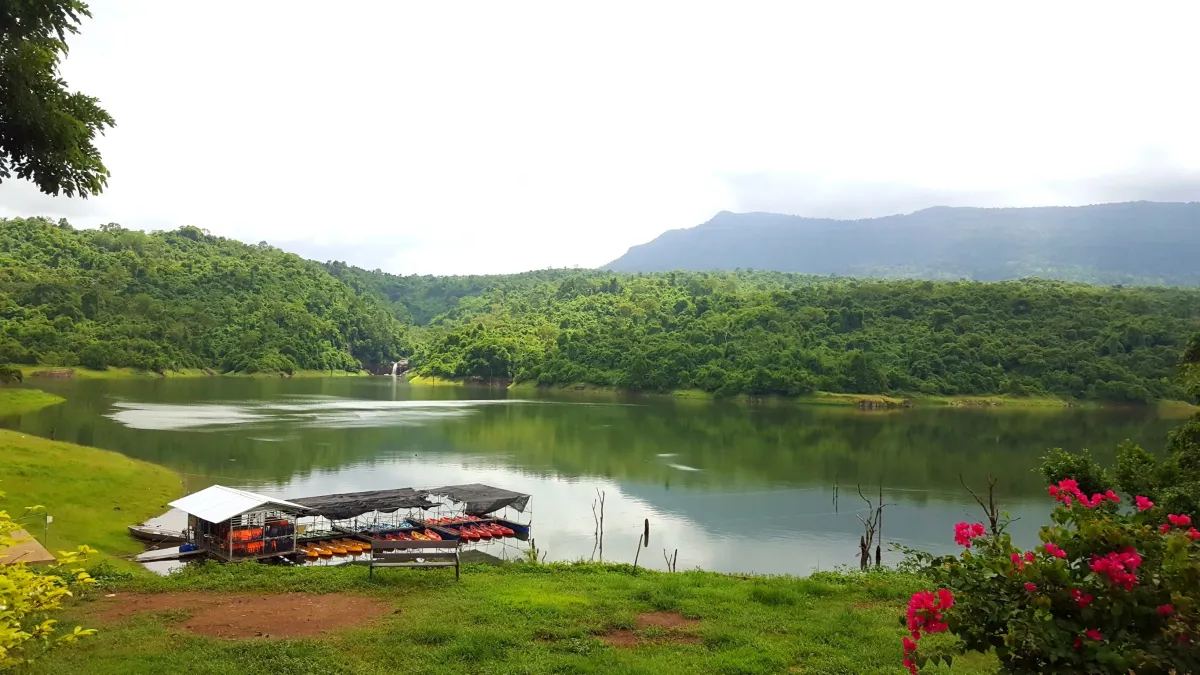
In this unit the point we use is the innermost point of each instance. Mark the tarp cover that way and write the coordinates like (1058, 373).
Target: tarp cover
(482, 499)
(351, 504)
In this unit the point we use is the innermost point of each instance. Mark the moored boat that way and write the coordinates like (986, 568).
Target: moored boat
(157, 535)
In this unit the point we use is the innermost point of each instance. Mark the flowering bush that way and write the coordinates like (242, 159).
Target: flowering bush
(1109, 590)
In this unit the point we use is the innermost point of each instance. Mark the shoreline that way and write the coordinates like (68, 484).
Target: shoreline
(15, 401)
(125, 373)
(869, 402)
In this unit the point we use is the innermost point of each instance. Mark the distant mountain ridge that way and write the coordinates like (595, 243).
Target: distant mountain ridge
(1125, 243)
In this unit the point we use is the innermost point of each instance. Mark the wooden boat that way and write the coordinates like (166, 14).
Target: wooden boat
(156, 535)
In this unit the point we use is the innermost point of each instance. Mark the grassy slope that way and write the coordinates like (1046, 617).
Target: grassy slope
(25, 400)
(528, 619)
(82, 488)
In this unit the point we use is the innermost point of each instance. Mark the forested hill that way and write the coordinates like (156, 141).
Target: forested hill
(1128, 243)
(771, 333)
(419, 299)
(117, 297)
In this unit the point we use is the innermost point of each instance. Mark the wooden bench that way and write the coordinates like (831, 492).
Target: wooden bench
(414, 554)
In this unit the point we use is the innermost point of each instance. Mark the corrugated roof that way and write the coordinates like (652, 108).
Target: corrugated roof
(219, 503)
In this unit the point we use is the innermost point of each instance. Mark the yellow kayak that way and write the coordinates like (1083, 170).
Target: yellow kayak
(350, 545)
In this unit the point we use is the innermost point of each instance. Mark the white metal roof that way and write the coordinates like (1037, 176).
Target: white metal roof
(219, 503)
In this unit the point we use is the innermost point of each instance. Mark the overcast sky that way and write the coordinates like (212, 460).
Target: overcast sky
(506, 136)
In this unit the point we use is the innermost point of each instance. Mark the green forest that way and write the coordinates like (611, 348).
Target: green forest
(182, 299)
(186, 299)
(774, 333)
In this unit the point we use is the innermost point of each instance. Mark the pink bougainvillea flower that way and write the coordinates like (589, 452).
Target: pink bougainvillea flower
(925, 616)
(1143, 503)
(1029, 556)
(1193, 533)
(1181, 520)
(1166, 527)
(1119, 567)
(1081, 598)
(1055, 551)
(1093, 634)
(1078, 642)
(965, 532)
(1165, 610)
(1032, 588)
(1067, 492)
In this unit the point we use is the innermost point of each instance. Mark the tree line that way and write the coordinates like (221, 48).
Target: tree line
(763, 333)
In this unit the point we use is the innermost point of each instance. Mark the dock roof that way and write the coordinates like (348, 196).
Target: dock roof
(219, 503)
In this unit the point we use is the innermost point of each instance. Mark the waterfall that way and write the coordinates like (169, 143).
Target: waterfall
(394, 368)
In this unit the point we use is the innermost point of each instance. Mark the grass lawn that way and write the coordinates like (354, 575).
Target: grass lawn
(521, 619)
(14, 401)
(92, 494)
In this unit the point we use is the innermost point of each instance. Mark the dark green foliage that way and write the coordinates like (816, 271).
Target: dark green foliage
(1058, 464)
(169, 300)
(46, 131)
(9, 374)
(418, 300)
(1173, 483)
(1130, 243)
(773, 333)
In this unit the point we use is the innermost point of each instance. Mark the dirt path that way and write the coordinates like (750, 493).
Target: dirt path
(250, 617)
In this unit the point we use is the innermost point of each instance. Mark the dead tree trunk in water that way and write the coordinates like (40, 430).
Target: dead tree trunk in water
(598, 517)
(871, 528)
(993, 514)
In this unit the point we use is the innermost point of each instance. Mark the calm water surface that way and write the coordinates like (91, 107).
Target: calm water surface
(732, 487)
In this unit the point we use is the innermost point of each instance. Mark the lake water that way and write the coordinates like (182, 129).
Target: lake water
(733, 487)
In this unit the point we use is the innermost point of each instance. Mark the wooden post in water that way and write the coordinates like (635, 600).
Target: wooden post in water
(643, 542)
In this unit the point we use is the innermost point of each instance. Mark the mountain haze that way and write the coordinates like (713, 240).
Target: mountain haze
(1132, 243)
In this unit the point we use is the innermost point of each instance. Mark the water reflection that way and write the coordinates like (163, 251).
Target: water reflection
(732, 487)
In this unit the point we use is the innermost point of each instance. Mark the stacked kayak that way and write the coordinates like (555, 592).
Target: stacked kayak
(482, 531)
(324, 549)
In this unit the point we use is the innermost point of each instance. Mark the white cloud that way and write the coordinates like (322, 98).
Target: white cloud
(491, 137)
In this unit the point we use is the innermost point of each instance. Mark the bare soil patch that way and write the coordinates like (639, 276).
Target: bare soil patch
(622, 638)
(672, 622)
(666, 620)
(252, 617)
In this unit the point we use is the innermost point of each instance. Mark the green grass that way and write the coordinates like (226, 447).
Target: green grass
(525, 619)
(1003, 401)
(14, 401)
(430, 381)
(92, 494)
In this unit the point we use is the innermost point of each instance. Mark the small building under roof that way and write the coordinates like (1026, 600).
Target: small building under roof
(238, 525)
